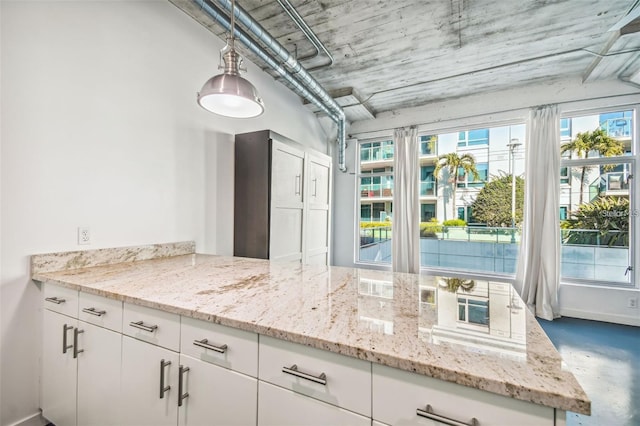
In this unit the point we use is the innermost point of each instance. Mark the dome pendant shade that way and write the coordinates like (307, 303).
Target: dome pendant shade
(231, 96)
(228, 94)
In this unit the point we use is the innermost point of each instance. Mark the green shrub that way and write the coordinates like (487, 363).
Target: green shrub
(375, 224)
(430, 229)
(454, 222)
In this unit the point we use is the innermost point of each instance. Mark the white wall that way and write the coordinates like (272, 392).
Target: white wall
(498, 108)
(100, 128)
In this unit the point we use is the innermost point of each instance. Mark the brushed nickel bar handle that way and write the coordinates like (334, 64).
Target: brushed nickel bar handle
(94, 311)
(141, 326)
(293, 370)
(315, 187)
(76, 351)
(54, 300)
(298, 181)
(182, 396)
(163, 388)
(429, 414)
(65, 328)
(204, 343)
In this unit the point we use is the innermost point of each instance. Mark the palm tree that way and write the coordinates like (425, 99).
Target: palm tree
(587, 142)
(453, 163)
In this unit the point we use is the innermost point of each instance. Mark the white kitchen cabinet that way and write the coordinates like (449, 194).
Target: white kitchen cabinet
(287, 202)
(401, 398)
(215, 395)
(335, 379)
(220, 385)
(80, 361)
(282, 198)
(282, 407)
(317, 220)
(59, 369)
(149, 377)
(99, 352)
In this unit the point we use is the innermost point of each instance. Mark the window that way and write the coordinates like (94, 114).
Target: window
(376, 199)
(376, 151)
(427, 181)
(596, 201)
(473, 311)
(473, 137)
(483, 245)
(564, 175)
(565, 128)
(563, 212)
(465, 181)
(428, 145)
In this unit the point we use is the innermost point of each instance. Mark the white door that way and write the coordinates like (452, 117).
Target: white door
(98, 375)
(215, 395)
(316, 234)
(282, 407)
(59, 372)
(149, 378)
(287, 202)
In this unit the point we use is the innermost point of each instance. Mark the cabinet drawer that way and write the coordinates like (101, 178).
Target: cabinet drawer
(100, 311)
(329, 377)
(61, 299)
(398, 394)
(152, 325)
(281, 407)
(224, 346)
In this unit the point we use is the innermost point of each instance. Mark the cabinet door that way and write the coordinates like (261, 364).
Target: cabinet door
(59, 369)
(142, 377)
(399, 394)
(215, 395)
(316, 228)
(287, 207)
(287, 180)
(282, 407)
(98, 374)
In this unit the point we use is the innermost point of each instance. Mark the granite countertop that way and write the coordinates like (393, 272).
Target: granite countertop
(471, 332)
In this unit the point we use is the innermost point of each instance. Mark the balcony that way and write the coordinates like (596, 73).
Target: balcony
(428, 189)
(610, 184)
(376, 191)
(619, 128)
(585, 254)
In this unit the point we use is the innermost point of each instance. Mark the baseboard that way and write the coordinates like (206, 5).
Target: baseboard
(599, 316)
(32, 420)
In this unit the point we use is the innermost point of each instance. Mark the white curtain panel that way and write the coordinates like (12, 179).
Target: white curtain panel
(538, 271)
(406, 202)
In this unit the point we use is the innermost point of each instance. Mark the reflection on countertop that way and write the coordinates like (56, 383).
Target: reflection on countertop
(472, 315)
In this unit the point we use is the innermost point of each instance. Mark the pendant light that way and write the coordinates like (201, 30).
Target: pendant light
(228, 94)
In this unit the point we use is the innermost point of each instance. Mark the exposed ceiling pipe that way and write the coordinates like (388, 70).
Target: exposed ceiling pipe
(308, 32)
(301, 73)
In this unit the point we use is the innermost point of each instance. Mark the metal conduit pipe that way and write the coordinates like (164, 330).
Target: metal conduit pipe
(308, 32)
(240, 35)
(305, 78)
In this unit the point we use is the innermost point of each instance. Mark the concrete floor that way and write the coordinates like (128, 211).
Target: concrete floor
(605, 358)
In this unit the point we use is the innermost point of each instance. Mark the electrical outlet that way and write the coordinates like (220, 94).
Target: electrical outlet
(84, 236)
(632, 302)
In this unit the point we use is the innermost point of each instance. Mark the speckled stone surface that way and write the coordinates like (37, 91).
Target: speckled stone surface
(411, 322)
(86, 258)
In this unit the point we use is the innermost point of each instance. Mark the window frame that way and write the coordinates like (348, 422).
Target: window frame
(625, 158)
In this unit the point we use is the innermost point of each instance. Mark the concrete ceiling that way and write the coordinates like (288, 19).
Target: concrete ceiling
(390, 55)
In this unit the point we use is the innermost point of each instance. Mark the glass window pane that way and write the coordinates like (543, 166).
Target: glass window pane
(482, 244)
(595, 228)
(376, 199)
(595, 199)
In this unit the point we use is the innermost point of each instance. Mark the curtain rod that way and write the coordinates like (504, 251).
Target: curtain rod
(355, 134)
